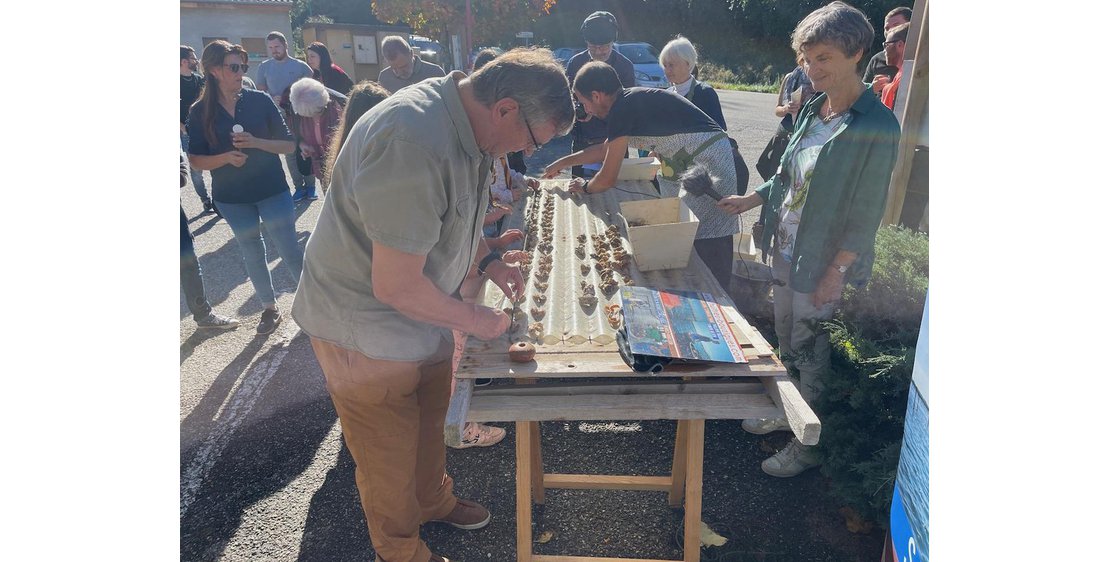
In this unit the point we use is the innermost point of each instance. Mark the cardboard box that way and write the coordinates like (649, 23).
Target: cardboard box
(639, 169)
(660, 231)
(743, 247)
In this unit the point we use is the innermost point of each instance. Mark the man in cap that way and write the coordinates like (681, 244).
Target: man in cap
(599, 30)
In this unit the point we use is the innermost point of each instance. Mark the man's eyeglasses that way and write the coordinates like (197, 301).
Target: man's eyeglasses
(238, 67)
(534, 143)
(896, 41)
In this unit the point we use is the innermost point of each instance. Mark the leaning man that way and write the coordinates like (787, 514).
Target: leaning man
(400, 228)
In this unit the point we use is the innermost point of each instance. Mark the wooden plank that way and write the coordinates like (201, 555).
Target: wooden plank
(622, 407)
(695, 454)
(803, 422)
(607, 482)
(549, 558)
(665, 386)
(523, 492)
(456, 412)
(916, 88)
(678, 465)
(606, 365)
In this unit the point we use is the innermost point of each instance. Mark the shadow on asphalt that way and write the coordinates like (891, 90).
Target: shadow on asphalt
(275, 446)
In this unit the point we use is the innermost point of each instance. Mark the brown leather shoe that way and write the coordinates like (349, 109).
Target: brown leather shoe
(466, 515)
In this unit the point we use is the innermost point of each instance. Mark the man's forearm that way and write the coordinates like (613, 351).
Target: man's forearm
(424, 302)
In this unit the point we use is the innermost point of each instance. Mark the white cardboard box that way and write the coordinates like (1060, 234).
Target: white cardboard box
(660, 231)
(638, 169)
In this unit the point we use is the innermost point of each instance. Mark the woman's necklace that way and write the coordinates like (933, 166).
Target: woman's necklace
(829, 113)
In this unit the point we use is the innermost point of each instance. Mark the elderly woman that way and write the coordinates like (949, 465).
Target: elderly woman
(317, 119)
(841, 153)
(323, 69)
(680, 135)
(237, 135)
(678, 58)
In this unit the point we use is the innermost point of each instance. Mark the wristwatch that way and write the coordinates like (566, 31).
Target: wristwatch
(841, 268)
(586, 186)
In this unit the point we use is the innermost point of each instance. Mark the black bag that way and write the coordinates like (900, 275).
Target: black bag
(772, 155)
(741, 168)
(304, 165)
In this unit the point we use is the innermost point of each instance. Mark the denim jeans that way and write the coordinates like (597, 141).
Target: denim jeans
(275, 215)
(196, 175)
(803, 342)
(300, 181)
(191, 282)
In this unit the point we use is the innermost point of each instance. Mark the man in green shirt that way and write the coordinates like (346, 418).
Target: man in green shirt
(400, 228)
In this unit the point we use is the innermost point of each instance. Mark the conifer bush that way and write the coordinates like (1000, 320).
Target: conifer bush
(863, 405)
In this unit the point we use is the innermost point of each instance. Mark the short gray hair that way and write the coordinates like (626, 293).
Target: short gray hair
(308, 97)
(535, 80)
(680, 48)
(394, 46)
(836, 24)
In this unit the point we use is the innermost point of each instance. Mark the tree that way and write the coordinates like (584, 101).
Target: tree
(494, 20)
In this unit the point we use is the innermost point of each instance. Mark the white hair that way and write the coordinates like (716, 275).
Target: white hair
(308, 97)
(681, 48)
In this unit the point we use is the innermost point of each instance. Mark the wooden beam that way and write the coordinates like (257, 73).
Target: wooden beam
(607, 482)
(608, 364)
(537, 464)
(632, 387)
(695, 455)
(547, 558)
(803, 422)
(626, 407)
(917, 98)
(457, 411)
(523, 492)
(678, 465)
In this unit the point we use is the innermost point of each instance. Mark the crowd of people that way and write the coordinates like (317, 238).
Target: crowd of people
(420, 168)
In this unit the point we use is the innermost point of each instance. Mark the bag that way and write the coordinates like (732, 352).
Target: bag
(741, 168)
(304, 165)
(771, 156)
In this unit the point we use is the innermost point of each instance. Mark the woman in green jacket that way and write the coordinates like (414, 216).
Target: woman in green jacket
(823, 206)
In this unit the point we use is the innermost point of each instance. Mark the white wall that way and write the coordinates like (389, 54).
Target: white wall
(233, 24)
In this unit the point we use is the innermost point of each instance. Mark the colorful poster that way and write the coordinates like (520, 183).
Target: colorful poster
(678, 324)
(909, 512)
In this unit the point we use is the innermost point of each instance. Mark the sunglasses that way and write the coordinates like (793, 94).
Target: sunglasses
(534, 143)
(238, 67)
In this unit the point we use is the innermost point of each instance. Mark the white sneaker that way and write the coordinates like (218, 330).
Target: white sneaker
(793, 460)
(764, 426)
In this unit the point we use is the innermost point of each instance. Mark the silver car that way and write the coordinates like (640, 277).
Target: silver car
(645, 61)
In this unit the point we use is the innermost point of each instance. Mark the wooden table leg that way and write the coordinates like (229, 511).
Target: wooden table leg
(524, 447)
(537, 463)
(694, 458)
(678, 466)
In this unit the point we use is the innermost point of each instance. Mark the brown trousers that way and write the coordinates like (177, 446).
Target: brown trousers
(392, 415)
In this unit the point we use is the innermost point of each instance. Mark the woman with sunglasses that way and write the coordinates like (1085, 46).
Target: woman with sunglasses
(237, 134)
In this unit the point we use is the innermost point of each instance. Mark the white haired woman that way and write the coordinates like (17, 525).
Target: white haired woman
(822, 208)
(678, 59)
(317, 119)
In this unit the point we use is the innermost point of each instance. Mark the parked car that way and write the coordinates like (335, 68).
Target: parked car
(645, 60)
(428, 49)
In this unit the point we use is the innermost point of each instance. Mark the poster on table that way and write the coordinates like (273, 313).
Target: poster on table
(678, 324)
(909, 511)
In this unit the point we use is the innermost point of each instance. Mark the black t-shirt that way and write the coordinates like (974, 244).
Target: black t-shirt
(651, 112)
(190, 91)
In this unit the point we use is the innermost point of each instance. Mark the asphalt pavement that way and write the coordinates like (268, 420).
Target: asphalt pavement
(265, 475)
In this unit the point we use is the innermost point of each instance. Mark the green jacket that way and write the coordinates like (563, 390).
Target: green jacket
(847, 192)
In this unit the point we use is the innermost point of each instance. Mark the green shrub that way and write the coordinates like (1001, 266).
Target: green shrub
(863, 405)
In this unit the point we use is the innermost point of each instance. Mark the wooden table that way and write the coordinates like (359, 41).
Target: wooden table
(589, 381)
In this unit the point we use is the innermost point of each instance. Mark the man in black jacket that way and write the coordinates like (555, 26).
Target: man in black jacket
(599, 30)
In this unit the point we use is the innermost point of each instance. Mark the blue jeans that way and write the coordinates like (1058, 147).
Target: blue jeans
(275, 215)
(196, 175)
(300, 181)
(191, 281)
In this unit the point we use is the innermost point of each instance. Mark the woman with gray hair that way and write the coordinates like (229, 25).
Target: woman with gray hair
(678, 59)
(317, 119)
(841, 154)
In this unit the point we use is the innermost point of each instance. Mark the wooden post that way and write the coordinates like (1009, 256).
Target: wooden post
(694, 458)
(678, 466)
(537, 463)
(523, 492)
(917, 96)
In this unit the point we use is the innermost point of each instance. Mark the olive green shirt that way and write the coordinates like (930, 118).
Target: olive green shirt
(411, 177)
